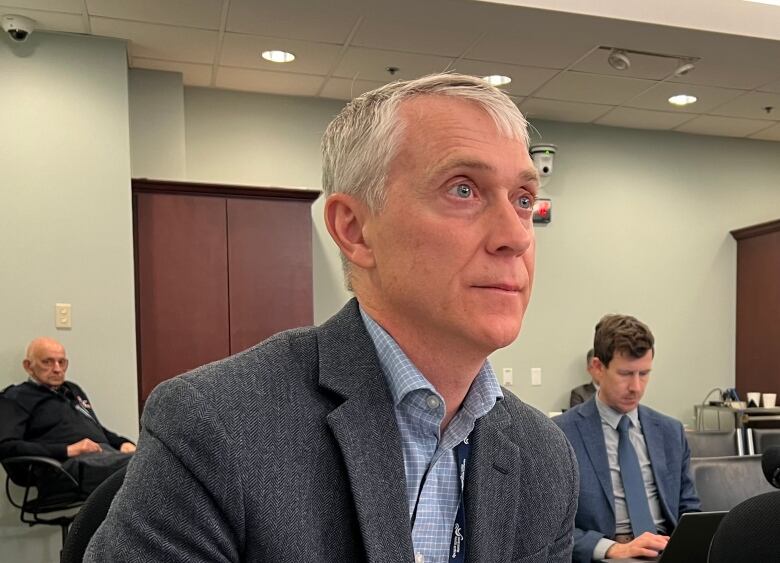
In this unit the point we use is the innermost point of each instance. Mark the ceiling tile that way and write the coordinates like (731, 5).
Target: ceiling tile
(70, 6)
(726, 126)
(769, 134)
(709, 97)
(153, 41)
(310, 20)
(433, 27)
(203, 14)
(525, 79)
(732, 62)
(592, 88)
(535, 108)
(752, 105)
(269, 82)
(49, 21)
(346, 89)
(241, 50)
(642, 119)
(642, 66)
(372, 64)
(523, 36)
(192, 74)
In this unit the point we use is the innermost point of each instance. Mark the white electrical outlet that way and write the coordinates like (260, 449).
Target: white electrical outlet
(536, 376)
(62, 315)
(507, 379)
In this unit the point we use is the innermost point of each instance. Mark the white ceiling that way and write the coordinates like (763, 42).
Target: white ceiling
(559, 71)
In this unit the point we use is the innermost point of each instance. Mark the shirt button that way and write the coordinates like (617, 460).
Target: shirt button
(433, 402)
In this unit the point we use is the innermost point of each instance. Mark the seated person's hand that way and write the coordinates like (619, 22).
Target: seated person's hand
(127, 448)
(85, 446)
(646, 545)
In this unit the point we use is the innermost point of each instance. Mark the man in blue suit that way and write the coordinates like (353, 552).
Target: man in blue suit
(634, 461)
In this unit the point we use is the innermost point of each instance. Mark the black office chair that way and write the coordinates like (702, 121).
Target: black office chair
(764, 438)
(36, 475)
(748, 532)
(712, 443)
(724, 482)
(91, 516)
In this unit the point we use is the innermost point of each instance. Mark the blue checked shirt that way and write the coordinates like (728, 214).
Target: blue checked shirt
(419, 410)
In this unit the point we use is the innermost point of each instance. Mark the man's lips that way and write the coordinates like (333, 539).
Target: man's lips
(508, 287)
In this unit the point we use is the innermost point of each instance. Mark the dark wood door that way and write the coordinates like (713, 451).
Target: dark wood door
(182, 284)
(270, 265)
(218, 269)
(758, 308)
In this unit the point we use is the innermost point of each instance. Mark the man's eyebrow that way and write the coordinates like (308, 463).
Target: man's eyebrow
(530, 175)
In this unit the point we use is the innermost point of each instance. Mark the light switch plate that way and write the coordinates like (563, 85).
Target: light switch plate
(507, 377)
(62, 317)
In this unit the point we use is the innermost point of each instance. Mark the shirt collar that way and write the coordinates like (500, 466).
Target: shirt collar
(612, 417)
(403, 377)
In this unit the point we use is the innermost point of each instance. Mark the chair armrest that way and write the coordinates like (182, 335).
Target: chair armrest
(13, 464)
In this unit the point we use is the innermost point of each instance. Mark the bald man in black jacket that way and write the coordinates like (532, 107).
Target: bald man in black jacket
(48, 416)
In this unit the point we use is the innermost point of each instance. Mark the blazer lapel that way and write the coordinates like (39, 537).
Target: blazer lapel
(495, 468)
(654, 440)
(589, 427)
(365, 429)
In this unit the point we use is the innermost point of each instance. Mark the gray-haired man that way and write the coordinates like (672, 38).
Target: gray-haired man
(382, 435)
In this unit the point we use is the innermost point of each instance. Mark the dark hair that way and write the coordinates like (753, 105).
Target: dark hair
(621, 334)
(589, 357)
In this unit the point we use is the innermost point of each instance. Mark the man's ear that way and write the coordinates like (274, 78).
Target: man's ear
(597, 369)
(345, 217)
(27, 365)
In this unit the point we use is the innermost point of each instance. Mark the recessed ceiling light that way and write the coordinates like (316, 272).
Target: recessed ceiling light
(682, 100)
(497, 79)
(618, 59)
(770, 2)
(278, 56)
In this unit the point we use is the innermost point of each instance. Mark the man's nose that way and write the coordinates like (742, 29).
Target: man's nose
(510, 233)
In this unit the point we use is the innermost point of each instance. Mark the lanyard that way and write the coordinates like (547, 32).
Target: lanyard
(457, 543)
(457, 551)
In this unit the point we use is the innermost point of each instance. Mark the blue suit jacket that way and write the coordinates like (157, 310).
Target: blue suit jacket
(669, 457)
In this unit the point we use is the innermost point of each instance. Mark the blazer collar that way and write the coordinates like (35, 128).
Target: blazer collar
(654, 438)
(498, 465)
(592, 435)
(365, 429)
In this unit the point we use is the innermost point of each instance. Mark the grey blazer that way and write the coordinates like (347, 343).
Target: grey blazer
(290, 452)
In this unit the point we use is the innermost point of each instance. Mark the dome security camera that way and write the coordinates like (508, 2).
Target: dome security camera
(18, 28)
(543, 156)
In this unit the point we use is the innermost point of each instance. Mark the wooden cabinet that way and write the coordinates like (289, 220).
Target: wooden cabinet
(758, 308)
(218, 269)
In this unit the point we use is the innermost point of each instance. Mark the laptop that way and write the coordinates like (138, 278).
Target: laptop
(690, 541)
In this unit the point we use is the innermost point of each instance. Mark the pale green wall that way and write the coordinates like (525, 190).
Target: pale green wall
(65, 230)
(156, 101)
(641, 226)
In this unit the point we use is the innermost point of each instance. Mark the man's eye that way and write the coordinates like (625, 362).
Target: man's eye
(462, 190)
(525, 202)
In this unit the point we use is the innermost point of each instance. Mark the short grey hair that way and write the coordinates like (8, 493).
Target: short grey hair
(361, 142)
(363, 139)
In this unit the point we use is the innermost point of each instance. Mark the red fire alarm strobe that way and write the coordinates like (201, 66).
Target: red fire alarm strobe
(543, 210)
